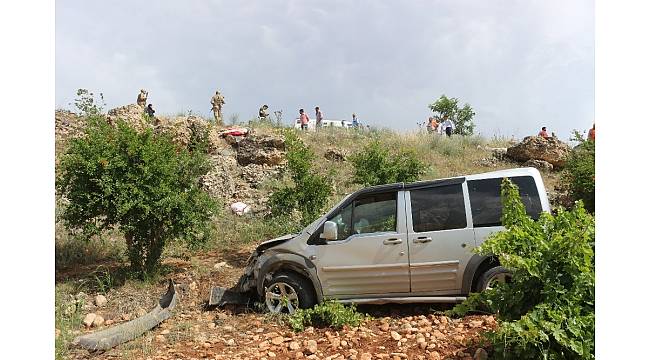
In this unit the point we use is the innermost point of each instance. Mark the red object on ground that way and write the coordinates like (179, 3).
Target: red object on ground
(234, 132)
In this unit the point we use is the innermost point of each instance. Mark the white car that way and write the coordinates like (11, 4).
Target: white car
(398, 243)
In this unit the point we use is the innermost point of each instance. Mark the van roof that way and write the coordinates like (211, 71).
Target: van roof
(452, 180)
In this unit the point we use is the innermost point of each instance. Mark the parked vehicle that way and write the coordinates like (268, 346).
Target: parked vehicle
(395, 243)
(325, 123)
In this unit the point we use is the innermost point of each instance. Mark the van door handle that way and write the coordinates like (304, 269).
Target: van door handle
(422, 239)
(392, 241)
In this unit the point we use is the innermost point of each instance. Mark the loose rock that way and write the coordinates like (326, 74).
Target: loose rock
(100, 300)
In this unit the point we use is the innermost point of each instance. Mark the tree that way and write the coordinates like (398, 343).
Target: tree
(310, 191)
(376, 165)
(580, 172)
(138, 182)
(462, 117)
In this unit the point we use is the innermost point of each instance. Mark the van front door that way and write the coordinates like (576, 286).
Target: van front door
(440, 241)
(370, 255)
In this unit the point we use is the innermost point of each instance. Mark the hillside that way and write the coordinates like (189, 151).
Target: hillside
(248, 169)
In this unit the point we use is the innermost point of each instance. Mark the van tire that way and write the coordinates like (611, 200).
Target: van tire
(497, 273)
(302, 287)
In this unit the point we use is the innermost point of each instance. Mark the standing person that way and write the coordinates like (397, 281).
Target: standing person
(304, 120)
(355, 122)
(543, 133)
(447, 126)
(592, 133)
(217, 102)
(319, 117)
(142, 97)
(432, 125)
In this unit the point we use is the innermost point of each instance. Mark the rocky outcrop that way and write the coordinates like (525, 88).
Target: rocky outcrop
(67, 124)
(550, 150)
(261, 150)
(131, 114)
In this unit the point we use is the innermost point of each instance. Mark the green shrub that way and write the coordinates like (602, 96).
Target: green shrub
(141, 183)
(547, 310)
(309, 192)
(376, 165)
(580, 173)
(328, 314)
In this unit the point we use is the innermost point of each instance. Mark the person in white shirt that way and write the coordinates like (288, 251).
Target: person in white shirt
(447, 126)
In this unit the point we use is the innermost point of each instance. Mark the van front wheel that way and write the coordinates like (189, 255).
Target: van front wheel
(490, 278)
(287, 292)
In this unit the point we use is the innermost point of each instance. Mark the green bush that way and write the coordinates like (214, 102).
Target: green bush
(376, 165)
(547, 310)
(580, 173)
(310, 191)
(141, 183)
(328, 314)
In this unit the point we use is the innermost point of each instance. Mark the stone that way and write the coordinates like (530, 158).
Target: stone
(160, 338)
(499, 153)
(261, 150)
(132, 114)
(335, 342)
(164, 332)
(395, 335)
(333, 154)
(98, 321)
(480, 354)
(384, 327)
(100, 300)
(365, 356)
(140, 312)
(539, 164)
(277, 340)
(88, 319)
(294, 345)
(126, 317)
(311, 347)
(231, 342)
(434, 355)
(475, 323)
(221, 265)
(109, 322)
(550, 150)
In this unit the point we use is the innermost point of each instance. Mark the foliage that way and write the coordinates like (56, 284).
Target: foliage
(310, 191)
(580, 172)
(87, 104)
(375, 165)
(462, 117)
(141, 183)
(68, 312)
(547, 310)
(328, 314)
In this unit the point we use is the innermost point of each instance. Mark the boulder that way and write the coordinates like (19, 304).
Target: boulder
(499, 153)
(333, 154)
(132, 114)
(261, 150)
(539, 164)
(550, 150)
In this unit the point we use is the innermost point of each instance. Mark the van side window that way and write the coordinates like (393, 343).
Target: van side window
(485, 199)
(438, 208)
(368, 214)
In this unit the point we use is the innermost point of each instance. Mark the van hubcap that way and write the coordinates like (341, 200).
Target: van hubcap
(281, 297)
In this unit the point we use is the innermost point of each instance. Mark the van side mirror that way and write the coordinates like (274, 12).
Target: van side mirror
(330, 231)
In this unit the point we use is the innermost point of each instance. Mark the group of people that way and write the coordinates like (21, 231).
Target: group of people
(142, 100)
(304, 119)
(440, 126)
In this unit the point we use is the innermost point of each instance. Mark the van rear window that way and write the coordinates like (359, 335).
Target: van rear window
(485, 199)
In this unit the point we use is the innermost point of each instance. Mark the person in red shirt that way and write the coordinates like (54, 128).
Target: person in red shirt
(592, 133)
(543, 133)
(304, 120)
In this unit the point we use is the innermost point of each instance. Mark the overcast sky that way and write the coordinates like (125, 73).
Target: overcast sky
(519, 64)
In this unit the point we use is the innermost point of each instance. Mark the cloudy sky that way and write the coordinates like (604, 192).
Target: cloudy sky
(520, 64)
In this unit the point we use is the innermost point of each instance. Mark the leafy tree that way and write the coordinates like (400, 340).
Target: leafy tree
(310, 191)
(87, 104)
(376, 165)
(462, 117)
(140, 183)
(580, 172)
(547, 310)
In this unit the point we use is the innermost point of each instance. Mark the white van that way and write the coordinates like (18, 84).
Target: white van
(395, 243)
(325, 123)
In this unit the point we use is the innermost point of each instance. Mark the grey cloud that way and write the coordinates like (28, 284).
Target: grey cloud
(520, 64)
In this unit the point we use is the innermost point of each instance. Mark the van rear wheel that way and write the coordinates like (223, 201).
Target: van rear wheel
(490, 278)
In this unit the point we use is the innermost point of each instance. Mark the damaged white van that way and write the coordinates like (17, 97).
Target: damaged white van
(393, 243)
